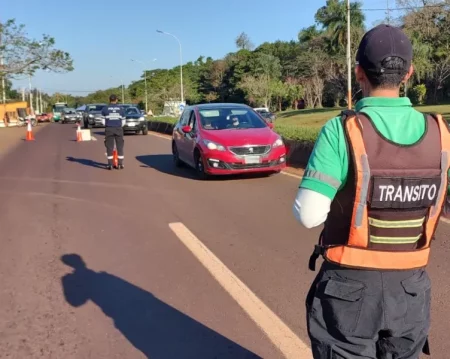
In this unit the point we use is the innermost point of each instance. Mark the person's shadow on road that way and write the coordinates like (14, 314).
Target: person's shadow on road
(156, 329)
(87, 162)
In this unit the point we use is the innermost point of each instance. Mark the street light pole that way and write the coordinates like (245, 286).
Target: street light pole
(145, 81)
(181, 61)
(31, 94)
(3, 74)
(146, 92)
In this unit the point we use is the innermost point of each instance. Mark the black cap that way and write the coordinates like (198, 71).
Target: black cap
(112, 98)
(381, 42)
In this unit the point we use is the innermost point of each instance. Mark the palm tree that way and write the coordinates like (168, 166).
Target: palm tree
(333, 18)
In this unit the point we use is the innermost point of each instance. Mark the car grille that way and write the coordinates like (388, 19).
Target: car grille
(250, 150)
(242, 166)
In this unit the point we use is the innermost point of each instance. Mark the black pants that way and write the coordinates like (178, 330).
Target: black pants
(114, 134)
(361, 314)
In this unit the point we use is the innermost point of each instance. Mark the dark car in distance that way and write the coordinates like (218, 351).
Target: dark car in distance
(92, 115)
(266, 115)
(135, 121)
(69, 115)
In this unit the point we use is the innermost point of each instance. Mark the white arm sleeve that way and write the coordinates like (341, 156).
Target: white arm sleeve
(311, 208)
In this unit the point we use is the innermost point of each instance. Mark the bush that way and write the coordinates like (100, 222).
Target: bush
(307, 134)
(417, 94)
(167, 119)
(296, 133)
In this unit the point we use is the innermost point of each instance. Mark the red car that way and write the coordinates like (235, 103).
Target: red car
(225, 139)
(43, 117)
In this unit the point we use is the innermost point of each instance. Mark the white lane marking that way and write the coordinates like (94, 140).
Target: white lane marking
(289, 344)
(93, 138)
(291, 175)
(445, 220)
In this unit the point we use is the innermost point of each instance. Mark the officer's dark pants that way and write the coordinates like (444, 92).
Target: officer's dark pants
(114, 134)
(356, 314)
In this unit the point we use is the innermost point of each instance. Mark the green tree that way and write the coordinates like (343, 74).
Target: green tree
(333, 18)
(243, 42)
(24, 55)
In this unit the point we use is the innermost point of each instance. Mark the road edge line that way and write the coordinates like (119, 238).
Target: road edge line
(284, 339)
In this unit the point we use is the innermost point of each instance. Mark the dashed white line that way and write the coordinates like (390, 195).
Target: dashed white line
(287, 342)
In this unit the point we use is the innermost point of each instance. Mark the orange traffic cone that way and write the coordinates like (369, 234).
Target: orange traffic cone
(30, 136)
(79, 137)
(115, 158)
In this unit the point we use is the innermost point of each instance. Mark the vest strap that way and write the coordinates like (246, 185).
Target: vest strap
(426, 348)
(318, 251)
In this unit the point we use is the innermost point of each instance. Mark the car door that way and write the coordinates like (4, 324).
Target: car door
(179, 135)
(190, 139)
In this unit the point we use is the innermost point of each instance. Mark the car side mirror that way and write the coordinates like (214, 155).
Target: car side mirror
(270, 124)
(186, 129)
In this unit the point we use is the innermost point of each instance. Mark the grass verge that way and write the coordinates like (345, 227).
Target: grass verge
(305, 125)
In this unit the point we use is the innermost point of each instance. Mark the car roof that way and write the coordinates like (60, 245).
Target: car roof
(209, 106)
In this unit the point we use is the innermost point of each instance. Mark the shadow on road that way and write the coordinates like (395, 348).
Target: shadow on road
(87, 162)
(102, 133)
(150, 325)
(164, 163)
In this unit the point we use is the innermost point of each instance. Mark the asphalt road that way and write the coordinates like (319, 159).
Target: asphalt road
(91, 265)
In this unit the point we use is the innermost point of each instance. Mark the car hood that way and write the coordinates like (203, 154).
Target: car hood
(231, 137)
(134, 116)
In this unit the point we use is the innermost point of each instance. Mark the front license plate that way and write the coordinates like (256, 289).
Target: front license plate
(131, 124)
(250, 160)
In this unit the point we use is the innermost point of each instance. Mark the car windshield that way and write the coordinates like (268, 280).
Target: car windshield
(95, 107)
(230, 118)
(58, 108)
(69, 110)
(132, 111)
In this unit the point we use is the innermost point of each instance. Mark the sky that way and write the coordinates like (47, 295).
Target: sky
(103, 36)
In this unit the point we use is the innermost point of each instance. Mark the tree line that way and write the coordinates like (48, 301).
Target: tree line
(309, 72)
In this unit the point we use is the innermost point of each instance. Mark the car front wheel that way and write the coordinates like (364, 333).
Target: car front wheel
(145, 131)
(200, 166)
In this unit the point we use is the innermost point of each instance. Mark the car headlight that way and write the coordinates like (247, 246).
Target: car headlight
(142, 118)
(213, 146)
(91, 116)
(278, 143)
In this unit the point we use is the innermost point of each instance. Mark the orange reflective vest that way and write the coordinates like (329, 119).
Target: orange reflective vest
(386, 215)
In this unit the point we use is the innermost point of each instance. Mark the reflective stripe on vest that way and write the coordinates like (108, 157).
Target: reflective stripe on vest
(357, 252)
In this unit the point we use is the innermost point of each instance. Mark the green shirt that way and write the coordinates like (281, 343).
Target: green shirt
(327, 168)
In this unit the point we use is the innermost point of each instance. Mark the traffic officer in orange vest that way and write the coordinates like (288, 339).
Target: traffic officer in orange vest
(378, 180)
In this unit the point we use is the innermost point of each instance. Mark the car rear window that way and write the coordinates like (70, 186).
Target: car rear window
(96, 107)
